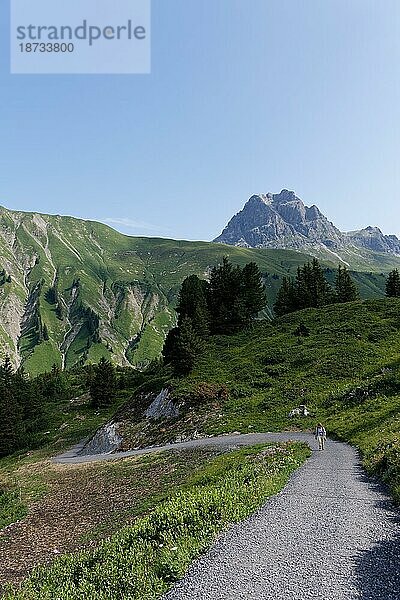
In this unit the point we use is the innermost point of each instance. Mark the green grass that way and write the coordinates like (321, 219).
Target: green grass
(67, 424)
(113, 269)
(12, 508)
(268, 371)
(142, 561)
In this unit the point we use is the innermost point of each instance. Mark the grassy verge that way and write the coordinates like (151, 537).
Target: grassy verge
(369, 418)
(346, 370)
(11, 507)
(22, 479)
(142, 561)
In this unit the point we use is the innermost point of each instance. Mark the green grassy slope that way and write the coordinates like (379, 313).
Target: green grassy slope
(347, 372)
(61, 266)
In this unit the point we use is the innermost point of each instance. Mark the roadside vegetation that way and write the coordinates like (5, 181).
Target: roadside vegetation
(226, 370)
(143, 560)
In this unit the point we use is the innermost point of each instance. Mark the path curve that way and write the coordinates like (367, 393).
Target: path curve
(332, 533)
(73, 456)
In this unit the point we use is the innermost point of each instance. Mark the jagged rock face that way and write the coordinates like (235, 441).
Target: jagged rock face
(373, 239)
(105, 440)
(284, 221)
(162, 407)
(279, 220)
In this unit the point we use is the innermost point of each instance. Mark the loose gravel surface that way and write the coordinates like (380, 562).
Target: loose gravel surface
(73, 456)
(332, 533)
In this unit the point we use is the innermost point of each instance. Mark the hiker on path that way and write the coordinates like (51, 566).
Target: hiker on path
(320, 436)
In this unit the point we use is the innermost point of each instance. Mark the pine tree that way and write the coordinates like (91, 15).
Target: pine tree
(30, 397)
(321, 291)
(54, 385)
(45, 333)
(224, 303)
(310, 289)
(345, 288)
(11, 415)
(168, 350)
(183, 347)
(103, 385)
(235, 296)
(303, 287)
(192, 303)
(285, 300)
(393, 284)
(253, 291)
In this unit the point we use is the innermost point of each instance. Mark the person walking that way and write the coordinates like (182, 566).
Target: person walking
(320, 436)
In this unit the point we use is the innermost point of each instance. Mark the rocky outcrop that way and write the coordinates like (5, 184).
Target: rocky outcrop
(162, 407)
(279, 220)
(284, 221)
(105, 440)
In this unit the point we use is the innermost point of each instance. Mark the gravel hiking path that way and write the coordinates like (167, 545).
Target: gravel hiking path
(332, 533)
(248, 439)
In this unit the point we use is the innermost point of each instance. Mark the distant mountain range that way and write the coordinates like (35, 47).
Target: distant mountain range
(284, 221)
(72, 291)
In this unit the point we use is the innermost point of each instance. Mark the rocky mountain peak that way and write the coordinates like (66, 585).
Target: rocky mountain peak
(285, 196)
(284, 221)
(278, 221)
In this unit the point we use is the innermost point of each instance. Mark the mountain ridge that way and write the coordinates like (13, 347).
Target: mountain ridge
(284, 221)
(73, 290)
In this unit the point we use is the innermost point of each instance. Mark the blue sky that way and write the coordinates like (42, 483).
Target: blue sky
(245, 96)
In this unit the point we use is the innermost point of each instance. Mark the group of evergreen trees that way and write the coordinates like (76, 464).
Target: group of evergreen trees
(25, 404)
(310, 288)
(22, 405)
(226, 303)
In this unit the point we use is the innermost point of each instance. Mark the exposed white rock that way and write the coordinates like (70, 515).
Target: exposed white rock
(105, 440)
(162, 407)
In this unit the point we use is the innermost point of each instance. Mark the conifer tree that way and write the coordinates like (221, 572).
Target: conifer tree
(253, 291)
(192, 303)
(183, 347)
(285, 300)
(103, 385)
(303, 287)
(345, 288)
(224, 297)
(235, 296)
(11, 416)
(169, 345)
(321, 291)
(393, 284)
(32, 400)
(309, 289)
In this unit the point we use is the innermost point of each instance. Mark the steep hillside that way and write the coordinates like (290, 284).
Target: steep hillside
(346, 371)
(73, 290)
(284, 221)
